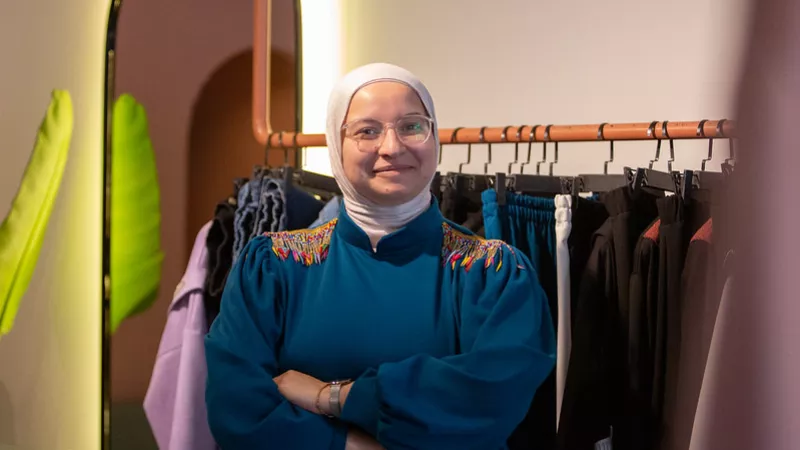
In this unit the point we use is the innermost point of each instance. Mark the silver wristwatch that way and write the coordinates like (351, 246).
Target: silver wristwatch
(334, 402)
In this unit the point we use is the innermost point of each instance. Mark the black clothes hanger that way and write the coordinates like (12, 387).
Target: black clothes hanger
(539, 184)
(436, 183)
(727, 165)
(654, 179)
(319, 183)
(606, 182)
(704, 179)
(480, 183)
(500, 180)
(313, 183)
(459, 181)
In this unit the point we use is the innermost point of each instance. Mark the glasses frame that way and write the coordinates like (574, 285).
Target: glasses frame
(384, 132)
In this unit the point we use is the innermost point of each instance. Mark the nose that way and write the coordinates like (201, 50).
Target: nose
(391, 145)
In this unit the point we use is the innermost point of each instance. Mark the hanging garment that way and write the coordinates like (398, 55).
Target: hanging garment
(474, 320)
(328, 212)
(564, 331)
(219, 246)
(174, 403)
(588, 215)
(679, 222)
(700, 295)
(670, 264)
(714, 414)
(245, 216)
(266, 205)
(528, 223)
(271, 211)
(283, 208)
(593, 406)
(642, 408)
(136, 254)
(22, 231)
(463, 207)
(302, 209)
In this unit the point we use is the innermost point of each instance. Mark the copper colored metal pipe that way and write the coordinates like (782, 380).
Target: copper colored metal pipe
(558, 133)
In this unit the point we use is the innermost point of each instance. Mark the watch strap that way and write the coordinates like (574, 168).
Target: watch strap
(335, 397)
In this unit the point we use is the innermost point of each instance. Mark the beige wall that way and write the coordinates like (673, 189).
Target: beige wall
(558, 62)
(168, 51)
(506, 62)
(50, 362)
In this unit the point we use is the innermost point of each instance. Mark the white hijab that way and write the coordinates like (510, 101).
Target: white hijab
(375, 220)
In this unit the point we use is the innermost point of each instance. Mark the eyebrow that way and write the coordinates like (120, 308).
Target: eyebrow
(371, 119)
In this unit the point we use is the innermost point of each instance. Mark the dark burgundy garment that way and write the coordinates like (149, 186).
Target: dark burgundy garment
(642, 339)
(679, 222)
(701, 290)
(671, 257)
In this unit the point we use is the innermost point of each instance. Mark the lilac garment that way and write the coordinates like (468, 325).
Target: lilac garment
(175, 401)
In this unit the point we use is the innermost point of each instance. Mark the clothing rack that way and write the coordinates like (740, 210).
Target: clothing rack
(264, 134)
(701, 129)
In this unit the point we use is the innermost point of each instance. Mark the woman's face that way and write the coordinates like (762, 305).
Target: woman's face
(395, 171)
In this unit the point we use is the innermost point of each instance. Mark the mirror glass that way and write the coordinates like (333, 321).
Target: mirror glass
(189, 69)
(193, 79)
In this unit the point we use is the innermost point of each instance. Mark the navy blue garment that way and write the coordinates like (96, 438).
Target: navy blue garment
(446, 334)
(528, 223)
(281, 208)
(302, 209)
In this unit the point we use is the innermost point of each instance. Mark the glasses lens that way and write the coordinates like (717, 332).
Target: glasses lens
(414, 130)
(369, 134)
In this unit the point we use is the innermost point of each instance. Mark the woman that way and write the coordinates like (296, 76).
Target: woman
(388, 326)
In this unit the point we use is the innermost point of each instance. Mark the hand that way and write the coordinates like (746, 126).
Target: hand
(358, 440)
(302, 390)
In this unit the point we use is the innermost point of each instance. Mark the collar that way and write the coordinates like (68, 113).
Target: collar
(418, 233)
(194, 277)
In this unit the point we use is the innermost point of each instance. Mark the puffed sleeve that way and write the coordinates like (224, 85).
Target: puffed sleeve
(245, 408)
(475, 399)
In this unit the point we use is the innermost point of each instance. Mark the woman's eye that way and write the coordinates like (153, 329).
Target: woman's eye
(367, 132)
(411, 128)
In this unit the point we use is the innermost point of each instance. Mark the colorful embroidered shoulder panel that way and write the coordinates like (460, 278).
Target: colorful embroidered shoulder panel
(307, 246)
(465, 250)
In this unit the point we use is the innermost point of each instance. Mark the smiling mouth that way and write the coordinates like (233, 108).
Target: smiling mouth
(393, 169)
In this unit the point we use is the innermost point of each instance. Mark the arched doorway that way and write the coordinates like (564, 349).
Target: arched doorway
(221, 144)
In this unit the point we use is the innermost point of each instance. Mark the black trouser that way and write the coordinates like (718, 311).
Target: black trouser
(587, 217)
(464, 207)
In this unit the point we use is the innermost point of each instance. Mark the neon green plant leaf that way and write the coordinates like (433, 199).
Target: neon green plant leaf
(136, 255)
(22, 231)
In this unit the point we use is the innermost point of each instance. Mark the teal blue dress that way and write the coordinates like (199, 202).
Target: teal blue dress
(447, 336)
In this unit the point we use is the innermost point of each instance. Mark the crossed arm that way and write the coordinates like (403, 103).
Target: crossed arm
(470, 400)
(302, 391)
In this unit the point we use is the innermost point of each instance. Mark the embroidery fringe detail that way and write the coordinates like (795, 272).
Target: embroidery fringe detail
(464, 250)
(308, 246)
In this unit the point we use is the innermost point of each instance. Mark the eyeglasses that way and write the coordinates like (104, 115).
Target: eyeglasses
(412, 130)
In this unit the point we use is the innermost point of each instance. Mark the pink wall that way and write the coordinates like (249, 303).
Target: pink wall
(167, 51)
